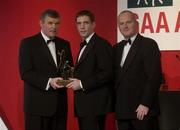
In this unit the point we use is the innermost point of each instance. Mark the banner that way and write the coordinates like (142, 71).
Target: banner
(158, 19)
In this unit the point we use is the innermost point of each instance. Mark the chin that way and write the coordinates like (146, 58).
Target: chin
(127, 35)
(84, 36)
(52, 36)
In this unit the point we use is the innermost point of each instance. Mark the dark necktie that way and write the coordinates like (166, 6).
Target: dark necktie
(126, 41)
(82, 44)
(51, 40)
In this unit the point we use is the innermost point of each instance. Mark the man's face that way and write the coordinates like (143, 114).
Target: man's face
(128, 26)
(50, 26)
(85, 26)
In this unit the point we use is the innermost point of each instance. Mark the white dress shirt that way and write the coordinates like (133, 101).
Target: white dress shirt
(126, 50)
(52, 49)
(81, 52)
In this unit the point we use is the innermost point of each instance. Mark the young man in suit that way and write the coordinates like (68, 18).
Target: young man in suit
(93, 75)
(137, 77)
(45, 101)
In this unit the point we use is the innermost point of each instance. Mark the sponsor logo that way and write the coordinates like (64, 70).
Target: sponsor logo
(149, 3)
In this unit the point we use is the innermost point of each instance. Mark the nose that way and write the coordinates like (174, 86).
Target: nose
(82, 26)
(125, 24)
(54, 25)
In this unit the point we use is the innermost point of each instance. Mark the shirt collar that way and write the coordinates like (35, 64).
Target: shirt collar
(132, 38)
(44, 36)
(89, 37)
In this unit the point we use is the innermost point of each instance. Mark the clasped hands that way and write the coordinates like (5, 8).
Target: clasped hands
(75, 84)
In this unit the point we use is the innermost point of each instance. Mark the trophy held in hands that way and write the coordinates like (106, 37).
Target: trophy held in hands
(66, 71)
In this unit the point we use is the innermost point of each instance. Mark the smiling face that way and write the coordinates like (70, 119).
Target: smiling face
(127, 24)
(49, 26)
(85, 26)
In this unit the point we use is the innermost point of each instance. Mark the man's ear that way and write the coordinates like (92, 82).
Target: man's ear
(40, 23)
(94, 25)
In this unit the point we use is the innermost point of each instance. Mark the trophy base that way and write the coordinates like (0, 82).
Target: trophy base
(64, 82)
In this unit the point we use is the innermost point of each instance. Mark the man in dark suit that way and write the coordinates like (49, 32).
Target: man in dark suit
(93, 73)
(137, 77)
(45, 101)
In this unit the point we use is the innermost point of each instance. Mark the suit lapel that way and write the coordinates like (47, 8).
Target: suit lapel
(77, 58)
(119, 51)
(86, 50)
(46, 50)
(130, 57)
(118, 56)
(59, 48)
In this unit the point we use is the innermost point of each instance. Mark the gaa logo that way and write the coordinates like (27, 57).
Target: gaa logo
(149, 3)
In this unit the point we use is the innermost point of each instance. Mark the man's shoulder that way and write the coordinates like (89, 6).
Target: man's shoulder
(61, 40)
(101, 40)
(148, 43)
(31, 38)
(117, 45)
(98, 37)
(29, 42)
(145, 38)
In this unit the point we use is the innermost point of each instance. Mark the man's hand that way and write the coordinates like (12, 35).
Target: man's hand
(53, 83)
(75, 84)
(142, 111)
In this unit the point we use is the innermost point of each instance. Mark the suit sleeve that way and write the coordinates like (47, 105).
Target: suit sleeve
(28, 73)
(152, 68)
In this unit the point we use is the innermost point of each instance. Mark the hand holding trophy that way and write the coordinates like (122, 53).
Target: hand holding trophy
(66, 71)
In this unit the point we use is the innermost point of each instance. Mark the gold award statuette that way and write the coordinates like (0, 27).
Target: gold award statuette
(63, 82)
(65, 70)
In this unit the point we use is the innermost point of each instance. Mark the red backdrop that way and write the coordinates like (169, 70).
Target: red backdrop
(20, 19)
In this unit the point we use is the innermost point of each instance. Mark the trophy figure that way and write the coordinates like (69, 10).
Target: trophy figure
(65, 70)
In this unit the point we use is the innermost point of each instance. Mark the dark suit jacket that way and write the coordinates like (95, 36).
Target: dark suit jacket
(36, 67)
(138, 81)
(94, 69)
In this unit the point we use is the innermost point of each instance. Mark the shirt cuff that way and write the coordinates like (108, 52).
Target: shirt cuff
(81, 86)
(48, 85)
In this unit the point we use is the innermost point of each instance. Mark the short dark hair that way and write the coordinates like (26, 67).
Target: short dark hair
(50, 13)
(86, 13)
